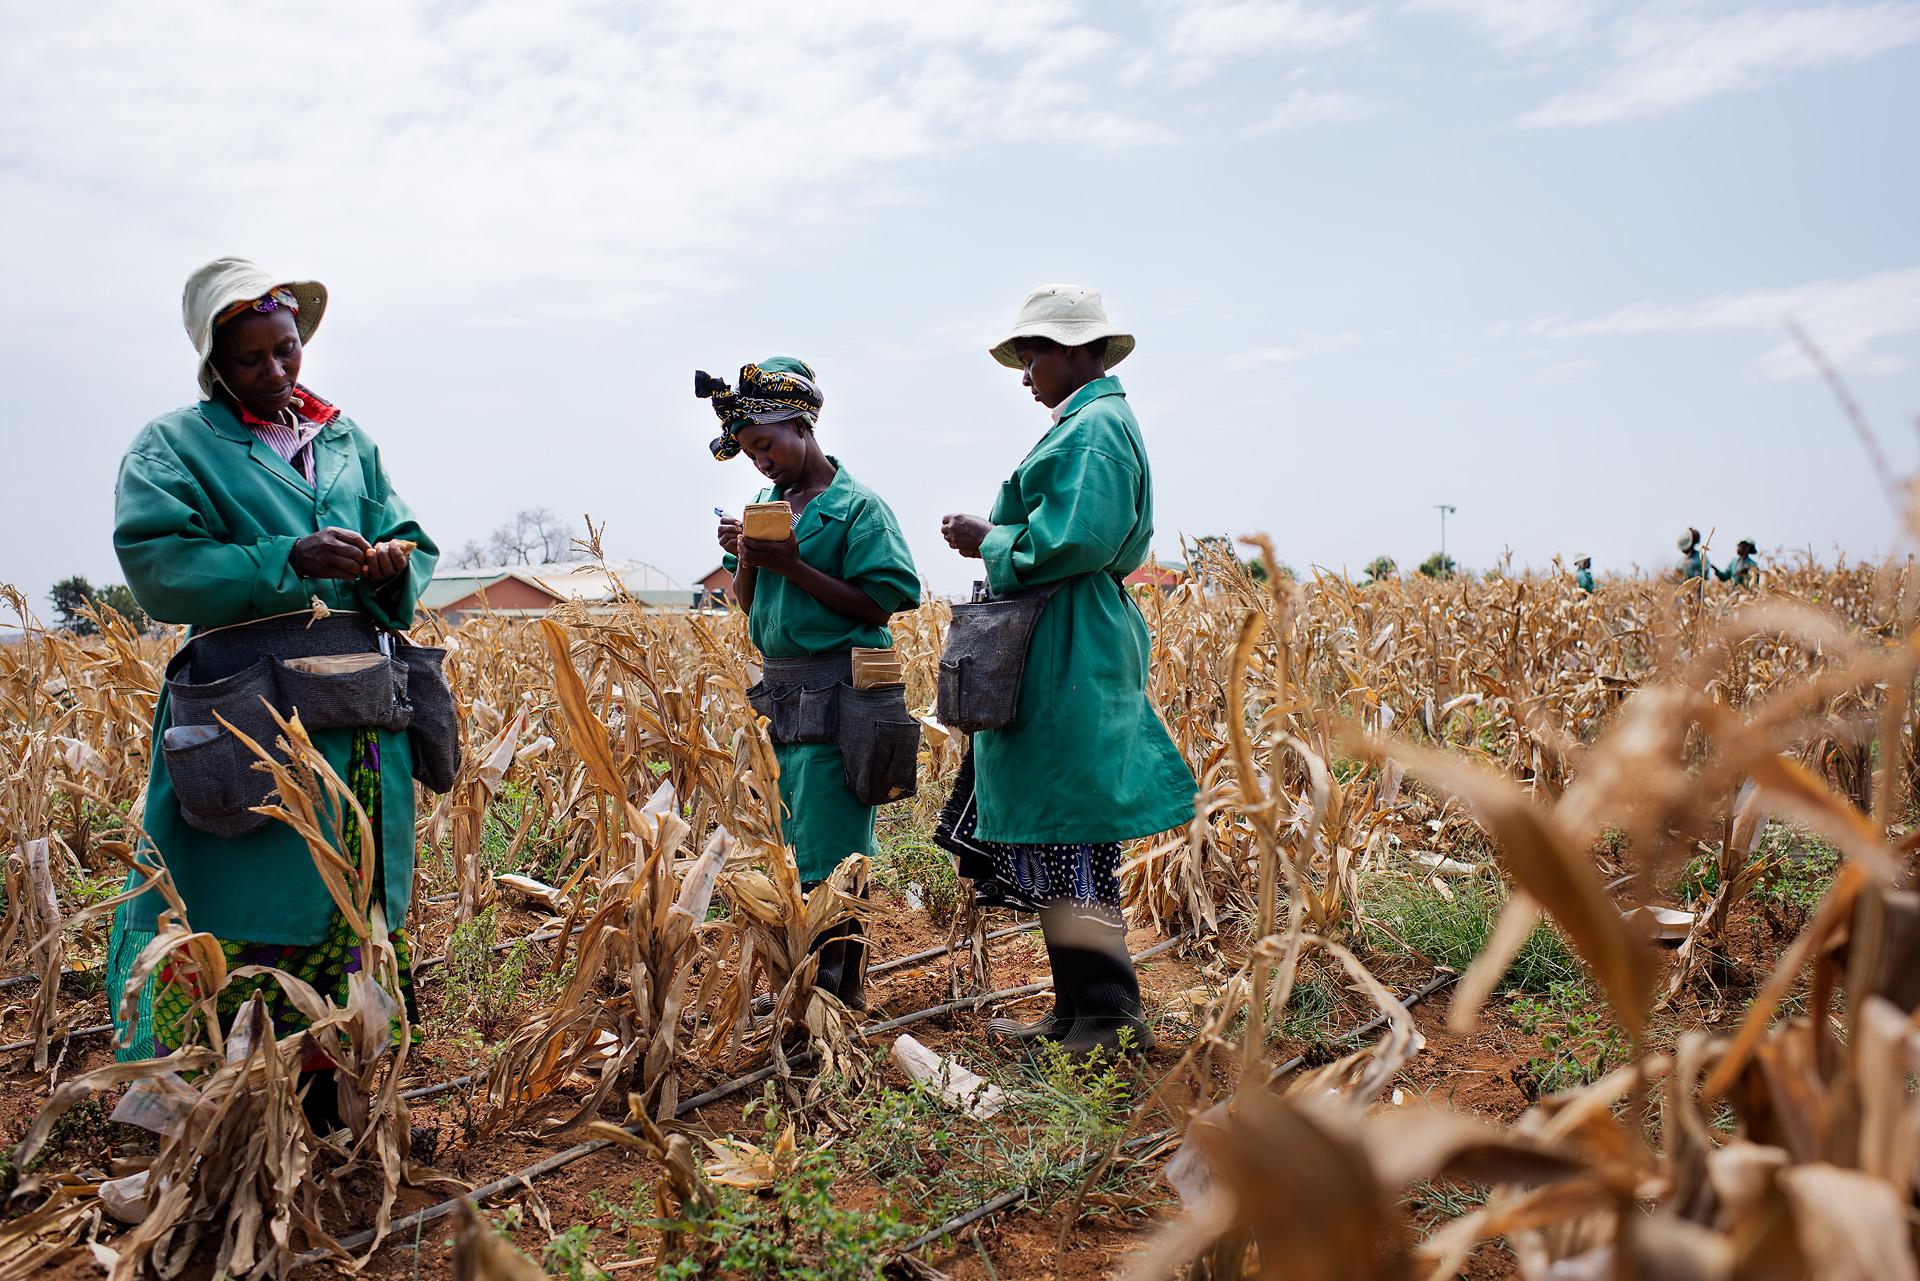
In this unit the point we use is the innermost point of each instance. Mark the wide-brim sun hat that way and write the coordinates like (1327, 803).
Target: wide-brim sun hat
(225, 281)
(1071, 315)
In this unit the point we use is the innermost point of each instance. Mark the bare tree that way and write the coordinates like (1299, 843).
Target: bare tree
(531, 537)
(472, 555)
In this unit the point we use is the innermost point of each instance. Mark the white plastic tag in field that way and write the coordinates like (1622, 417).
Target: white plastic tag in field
(126, 1198)
(1669, 925)
(534, 890)
(957, 1087)
(157, 1103)
(1441, 863)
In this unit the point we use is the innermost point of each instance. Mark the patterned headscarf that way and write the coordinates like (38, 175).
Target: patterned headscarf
(272, 300)
(772, 391)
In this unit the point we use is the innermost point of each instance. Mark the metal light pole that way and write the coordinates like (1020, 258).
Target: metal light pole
(1445, 510)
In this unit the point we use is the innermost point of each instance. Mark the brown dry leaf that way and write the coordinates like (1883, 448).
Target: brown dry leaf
(1550, 864)
(482, 1254)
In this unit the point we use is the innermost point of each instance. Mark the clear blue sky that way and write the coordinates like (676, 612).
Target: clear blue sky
(1529, 258)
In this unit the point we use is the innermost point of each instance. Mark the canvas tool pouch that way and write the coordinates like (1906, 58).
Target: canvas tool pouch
(236, 674)
(812, 700)
(986, 659)
(433, 731)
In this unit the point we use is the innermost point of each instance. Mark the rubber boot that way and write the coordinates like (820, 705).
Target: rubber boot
(1105, 989)
(321, 1102)
(1057, 1020)
(843, 964)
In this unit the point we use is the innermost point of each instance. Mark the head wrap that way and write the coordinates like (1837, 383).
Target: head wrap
(772, 391)
(272, 300)
(1689, 540)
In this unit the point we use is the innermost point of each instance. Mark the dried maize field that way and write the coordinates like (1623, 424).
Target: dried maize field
(1518, 932)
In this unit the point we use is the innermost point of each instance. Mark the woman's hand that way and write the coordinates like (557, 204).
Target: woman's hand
(331, 553)
(965, 533)
(782, 557)
(388, 560)
(730, 535)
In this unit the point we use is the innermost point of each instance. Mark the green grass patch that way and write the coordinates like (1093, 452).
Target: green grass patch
(1401, 913)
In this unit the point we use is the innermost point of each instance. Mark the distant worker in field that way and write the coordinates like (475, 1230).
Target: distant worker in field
(1069, 758)
(816, 589)
(1693, 557)
(1583, 574)
(1743, 570)
(262, 516)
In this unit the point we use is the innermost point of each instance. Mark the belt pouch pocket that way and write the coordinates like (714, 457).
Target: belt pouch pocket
(214, 780)
(211, 769)
(879, 744)
(346, 691)
(433, 731)
(796, 715)
(986, 659)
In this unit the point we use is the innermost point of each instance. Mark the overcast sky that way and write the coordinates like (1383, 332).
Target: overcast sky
(1531, 258)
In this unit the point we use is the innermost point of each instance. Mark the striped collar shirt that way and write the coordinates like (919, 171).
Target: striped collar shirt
(294, 441)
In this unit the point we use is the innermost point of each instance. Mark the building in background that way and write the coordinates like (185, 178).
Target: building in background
(715, 589)
(528, 591)
(1161, 575)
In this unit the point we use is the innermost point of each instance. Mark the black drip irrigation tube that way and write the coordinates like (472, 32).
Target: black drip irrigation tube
(548, 1164)
(884, 967)
(432, 962)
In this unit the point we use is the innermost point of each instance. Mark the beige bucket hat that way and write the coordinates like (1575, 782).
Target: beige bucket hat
(225, 281)
(1071, 315)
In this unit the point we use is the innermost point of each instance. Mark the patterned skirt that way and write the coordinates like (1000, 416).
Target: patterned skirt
(1026, 878)
(325, 966)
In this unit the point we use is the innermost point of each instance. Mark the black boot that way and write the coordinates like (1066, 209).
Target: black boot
(843, 964)
(1057, 1020)
(321, 1102)
(1105, 989)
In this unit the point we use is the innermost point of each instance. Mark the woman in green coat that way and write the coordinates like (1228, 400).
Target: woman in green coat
(255, 502)
(1743, 570)
(812, 598)
(1043, 803)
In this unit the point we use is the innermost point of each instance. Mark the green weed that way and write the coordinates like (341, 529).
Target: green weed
(479, 986)
(1406, 912)
(1579, 1041)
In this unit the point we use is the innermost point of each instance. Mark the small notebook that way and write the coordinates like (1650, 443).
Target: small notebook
(768, 522)
(875, 668)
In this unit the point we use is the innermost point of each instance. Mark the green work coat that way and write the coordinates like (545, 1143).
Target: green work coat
(1583, 579)
(1086, 759)
(847, 531)
(1694, 565)
(1740, 571)
(205, 517)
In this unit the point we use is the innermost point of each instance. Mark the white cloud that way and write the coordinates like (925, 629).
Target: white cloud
(1669, 58)
(1844, 318)
(1518, 24)
(1199, 35)
(1262, 358)
(573, 154)
(1305, 107)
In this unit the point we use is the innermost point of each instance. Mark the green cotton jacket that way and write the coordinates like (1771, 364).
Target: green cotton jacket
(1694, 565)
(850, 532)
(1583, 579)
(847, 531)
(1740, 571)
(205, 517)
(1086, 759)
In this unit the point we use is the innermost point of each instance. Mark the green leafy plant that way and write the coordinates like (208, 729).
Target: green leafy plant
(1579, 1041)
